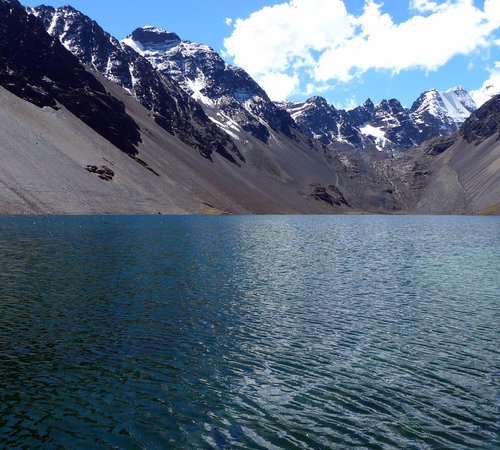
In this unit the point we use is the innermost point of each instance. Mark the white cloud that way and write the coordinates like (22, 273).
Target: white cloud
(425, 43)
(228, 21)
(281, 85)
(489, 88)
(312, 88)
(492, 11)
(284, 36)
(428, 5)
(318, 41)
(348, 104)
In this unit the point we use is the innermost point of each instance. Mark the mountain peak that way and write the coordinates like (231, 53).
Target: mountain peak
(318, 101)
(69, 8)
(368, 103)
(152, 39)
(457, 88)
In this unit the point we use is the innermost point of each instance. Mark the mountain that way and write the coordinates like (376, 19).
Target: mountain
(438, 113)
(94, 126)
(72, 141)
(208, 104)
(232, 99)
(36, 67)
(172, 109)
(459, 173)
(319, 120)
(387, 126)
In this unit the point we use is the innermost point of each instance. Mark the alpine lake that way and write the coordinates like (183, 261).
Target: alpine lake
(266, 332)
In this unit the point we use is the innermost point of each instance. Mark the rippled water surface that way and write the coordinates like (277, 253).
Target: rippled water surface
(249, 332)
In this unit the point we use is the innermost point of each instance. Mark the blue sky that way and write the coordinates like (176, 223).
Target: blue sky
(344, 50)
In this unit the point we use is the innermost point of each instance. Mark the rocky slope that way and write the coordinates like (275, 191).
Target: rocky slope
(53, 163)
(82, 135)
(387, 126)
(175, 111)
(37, 68)
(454, 174)
(228, 94)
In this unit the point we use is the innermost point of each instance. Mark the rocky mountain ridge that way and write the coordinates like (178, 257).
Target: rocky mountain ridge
(183, 82)
(459, 172)
(388, 125)
(82, 132)
(175, 111)
(37, 68)
(228, 94)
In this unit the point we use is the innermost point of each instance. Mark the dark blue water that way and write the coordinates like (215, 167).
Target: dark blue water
(250, 332)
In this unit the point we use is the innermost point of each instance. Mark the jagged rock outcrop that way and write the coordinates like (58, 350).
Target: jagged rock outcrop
(321, 121)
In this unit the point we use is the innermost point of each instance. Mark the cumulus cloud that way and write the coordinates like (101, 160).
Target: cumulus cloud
(228, 21)
(281, 85)
(319, 41)
(489, 88)
(425, 43)
(286, 36)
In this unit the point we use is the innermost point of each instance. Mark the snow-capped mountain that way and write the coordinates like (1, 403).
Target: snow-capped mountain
(442, 112)
(233, 100)
(388, 125)
(210, 105)
(172, 108)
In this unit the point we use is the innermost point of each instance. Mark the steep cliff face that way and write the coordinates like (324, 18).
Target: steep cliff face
(37, 68)
(174, 110)
(484, 123)
(323, 122)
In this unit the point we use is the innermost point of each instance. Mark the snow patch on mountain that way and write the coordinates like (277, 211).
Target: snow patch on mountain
(454, 105)
(196, 87)
(133, 45)
(228, 126)
(377, 133)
